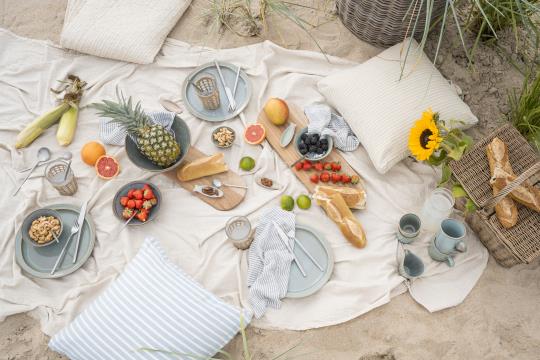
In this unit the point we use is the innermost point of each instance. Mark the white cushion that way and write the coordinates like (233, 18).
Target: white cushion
(152, 304)
(381, 108)
(127, 30)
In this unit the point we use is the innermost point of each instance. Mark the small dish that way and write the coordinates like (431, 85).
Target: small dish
(287, 135)
(118, 208)
(313, 156)
(27, 223)
(267, 183)
(223, 128)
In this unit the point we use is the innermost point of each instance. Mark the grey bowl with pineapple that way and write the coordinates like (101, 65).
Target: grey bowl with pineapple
(149, 146)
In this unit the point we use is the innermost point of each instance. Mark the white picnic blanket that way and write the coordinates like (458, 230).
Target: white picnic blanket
(191, 231)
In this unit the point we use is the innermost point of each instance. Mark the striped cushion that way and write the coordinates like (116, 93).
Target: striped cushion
(152, 304)
(381, 109)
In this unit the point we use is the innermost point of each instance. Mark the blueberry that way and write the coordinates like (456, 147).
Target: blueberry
(312, 149)
(303, 151)
(324, 147)
(304, 137)
(302, 146)
(316, 137)
(324, 141)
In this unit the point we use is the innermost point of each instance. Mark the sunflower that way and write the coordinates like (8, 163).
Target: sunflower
(424, 138)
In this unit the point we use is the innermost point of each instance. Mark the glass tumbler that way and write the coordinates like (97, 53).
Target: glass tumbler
(437, 207)
(239, 232)
(55, 173)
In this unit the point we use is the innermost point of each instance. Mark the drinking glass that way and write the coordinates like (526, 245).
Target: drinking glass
(437, 207)
(55, 173)
(239, 232)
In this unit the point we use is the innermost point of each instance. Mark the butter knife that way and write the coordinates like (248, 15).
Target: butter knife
(285, 239)
(228, 93)
(80, 221)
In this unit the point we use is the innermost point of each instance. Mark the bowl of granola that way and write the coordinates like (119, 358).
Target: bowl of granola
(223, 137)
(41, 227)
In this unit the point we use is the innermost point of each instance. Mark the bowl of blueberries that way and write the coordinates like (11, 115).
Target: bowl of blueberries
(313, 146)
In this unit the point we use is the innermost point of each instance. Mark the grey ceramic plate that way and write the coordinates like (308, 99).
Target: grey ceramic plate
(38, 261)
(243, 92)
(182, 136)
(300, 286)
(118, 208)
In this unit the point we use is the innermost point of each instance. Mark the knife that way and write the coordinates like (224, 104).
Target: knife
(285, 239)
(228, 93)
(80, 221)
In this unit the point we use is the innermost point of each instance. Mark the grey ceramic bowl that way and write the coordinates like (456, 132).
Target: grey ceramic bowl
(182, 136)
(307, 156)
(223, 127)
(118, 208)
(27, 222)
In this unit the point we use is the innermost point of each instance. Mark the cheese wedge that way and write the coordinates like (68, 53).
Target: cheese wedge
(202, 167)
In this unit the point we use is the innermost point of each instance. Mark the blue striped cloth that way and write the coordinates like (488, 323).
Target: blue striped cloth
(270, 261)
(324, 121)
(113, 134)
(152, 304)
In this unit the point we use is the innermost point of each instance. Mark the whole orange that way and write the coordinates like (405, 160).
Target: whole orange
(91, 152)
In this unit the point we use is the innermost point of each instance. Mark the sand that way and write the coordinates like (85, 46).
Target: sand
(500, 317)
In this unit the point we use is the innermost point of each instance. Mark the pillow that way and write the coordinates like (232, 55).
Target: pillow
(152, 304)
(381, 108)
(127, 30)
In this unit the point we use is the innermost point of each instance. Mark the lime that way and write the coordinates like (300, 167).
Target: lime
(247, 163)
(287, 203)
(303, 202)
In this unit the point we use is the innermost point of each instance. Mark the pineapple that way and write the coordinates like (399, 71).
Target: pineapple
(153, 140)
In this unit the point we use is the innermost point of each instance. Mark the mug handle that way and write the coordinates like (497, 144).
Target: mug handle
(450, 261)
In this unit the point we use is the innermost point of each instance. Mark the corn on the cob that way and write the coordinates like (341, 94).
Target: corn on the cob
(36, 127)
(66, 128)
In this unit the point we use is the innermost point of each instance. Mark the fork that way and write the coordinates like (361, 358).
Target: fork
(74, 230)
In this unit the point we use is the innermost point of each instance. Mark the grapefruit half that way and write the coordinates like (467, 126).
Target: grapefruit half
(254, 134)
(107, 167)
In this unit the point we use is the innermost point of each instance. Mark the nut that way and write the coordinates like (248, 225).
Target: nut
(224, 137)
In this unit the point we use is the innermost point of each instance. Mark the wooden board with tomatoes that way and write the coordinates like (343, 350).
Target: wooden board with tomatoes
(331, 170)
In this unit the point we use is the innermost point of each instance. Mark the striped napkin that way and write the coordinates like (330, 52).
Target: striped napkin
(113, 134)
(322, 120)
(270, 261)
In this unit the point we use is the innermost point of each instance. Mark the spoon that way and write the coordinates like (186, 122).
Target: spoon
(217, 183)
(43, 155)
(55, 237)
(66, 155)
(67, 170)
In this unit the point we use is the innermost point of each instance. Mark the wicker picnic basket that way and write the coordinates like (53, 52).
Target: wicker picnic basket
(521, 243)
(383, 22)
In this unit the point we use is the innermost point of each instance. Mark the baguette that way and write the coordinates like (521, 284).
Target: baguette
(525, 194)
(506, 210)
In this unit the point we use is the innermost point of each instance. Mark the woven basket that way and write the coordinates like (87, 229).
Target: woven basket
(385, 22)
(521, 243)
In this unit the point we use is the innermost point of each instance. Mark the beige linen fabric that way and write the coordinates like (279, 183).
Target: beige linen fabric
(127, 30)
(190, 231)
(381, 109)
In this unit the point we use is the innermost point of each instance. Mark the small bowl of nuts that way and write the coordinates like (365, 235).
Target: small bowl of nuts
(223, 137)
(41, 226)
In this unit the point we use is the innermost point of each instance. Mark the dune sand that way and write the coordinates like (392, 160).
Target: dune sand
(500, 317)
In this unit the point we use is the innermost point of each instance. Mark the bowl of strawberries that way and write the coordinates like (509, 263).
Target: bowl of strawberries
(138, 201)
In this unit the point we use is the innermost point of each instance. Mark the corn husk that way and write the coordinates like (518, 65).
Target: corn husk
(36, 127)
(67, 126)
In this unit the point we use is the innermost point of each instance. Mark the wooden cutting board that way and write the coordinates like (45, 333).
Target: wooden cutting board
(289, 153)
(231, 196)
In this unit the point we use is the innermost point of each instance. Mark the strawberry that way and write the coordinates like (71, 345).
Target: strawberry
(308, 161)
(153, 201)
(124, 200)
(355, 179)
(138, 194)
(146, 187)
(319, 166)
(327, 166)
(336, 178)
(299, 165)
(345, 179)
(138, 204)
(130, 193)
(307, 165)
(325, 177)
(147, 204)
(336, 166)
(127, 213)
(314, 178)
(148, 194)
(142, 215)
(131, 203)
